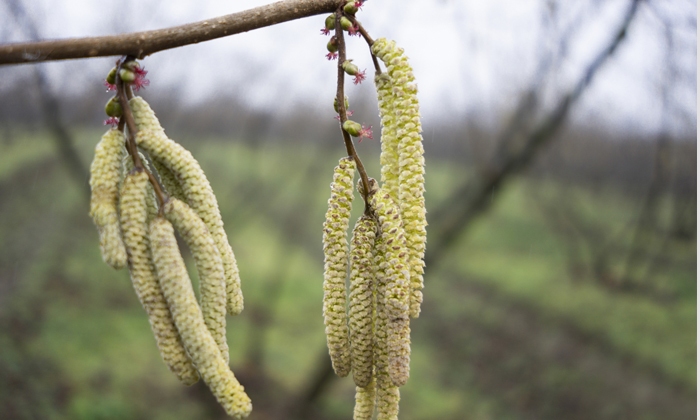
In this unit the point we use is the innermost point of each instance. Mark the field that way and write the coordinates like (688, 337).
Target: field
(517, 321)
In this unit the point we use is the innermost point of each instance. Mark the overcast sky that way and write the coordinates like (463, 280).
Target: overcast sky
(471, 57)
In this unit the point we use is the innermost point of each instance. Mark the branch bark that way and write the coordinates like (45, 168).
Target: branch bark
(142, 44)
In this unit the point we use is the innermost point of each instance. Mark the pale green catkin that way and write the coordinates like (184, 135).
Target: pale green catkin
(387, 394)
(393, 249)
(206, 355)
(361, 308)
(335, 251)
(195, 188)
(411, 163)
(365, 401)
(134, 214)
(389, 158)
(104, 186)
(169, 182)
(210, 269)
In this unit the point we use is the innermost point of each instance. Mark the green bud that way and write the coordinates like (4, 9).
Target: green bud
(353, 128)
(350, 8)
(350, 68)
(332, 45)
(330, 22)
(335, 103)
(127, 76)
(112, 76)
(113, 108)
(345, 23)
(131, 65)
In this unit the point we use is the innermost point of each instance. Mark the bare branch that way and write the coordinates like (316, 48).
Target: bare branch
(142, 44)
(469, 200)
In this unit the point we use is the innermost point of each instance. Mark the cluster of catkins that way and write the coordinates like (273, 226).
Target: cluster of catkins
(135, 233)
(369, 333)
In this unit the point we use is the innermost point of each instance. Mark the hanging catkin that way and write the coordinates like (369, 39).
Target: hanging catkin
(195, 188)
(335, 251)
(134, 213)
(392, 248)
(364, 401)
(361, 307)
(212, 285)
(201, 346)
(105, 173)
(411, 164)
(387, 394)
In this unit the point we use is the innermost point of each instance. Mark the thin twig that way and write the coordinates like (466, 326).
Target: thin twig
(123, 91)
(342, 112)
(142, 44)
(361, 29)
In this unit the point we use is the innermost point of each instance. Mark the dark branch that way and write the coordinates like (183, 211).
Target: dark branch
(469, 200)
(141, 44)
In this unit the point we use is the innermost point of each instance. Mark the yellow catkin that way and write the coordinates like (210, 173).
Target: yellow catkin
(335, 252)
(104, 185)
(393, 249)
(170, 184)
(195, 188)
(128, 166)
(134, 214)
(389, 157)
(361, 307)
(177, 288)
(364, 401)
(411, 163)
(212, 287)
(387, 394)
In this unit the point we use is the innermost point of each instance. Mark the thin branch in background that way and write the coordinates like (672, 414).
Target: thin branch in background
(142, 44)
(51, 108)
(469, 201)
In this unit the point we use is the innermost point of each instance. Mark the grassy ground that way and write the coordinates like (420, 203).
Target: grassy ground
(508, 329)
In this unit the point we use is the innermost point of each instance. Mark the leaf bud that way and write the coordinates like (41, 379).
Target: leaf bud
(335, 104)
(113, 108)
(127, 76)
(345, 23)
(350, 8)
(353, 128)
(350, 68)
(112, 76)
(330, 22)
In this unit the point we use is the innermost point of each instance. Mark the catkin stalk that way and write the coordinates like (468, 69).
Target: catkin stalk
(206, 355)
(361, 308)
(105, 172)
(134, 214)
(335, 251)
(195, 188)
(212, 285)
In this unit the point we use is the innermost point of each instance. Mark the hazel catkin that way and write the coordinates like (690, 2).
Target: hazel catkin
(195, 189)
(361, 307)
(335, 251)
(209, 267)
(406, 131)
(392, 249)
(201, 346)
(134, 214)
(105, 173)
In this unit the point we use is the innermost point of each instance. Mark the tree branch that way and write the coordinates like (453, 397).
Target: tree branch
(142, 44)
(469, 200)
